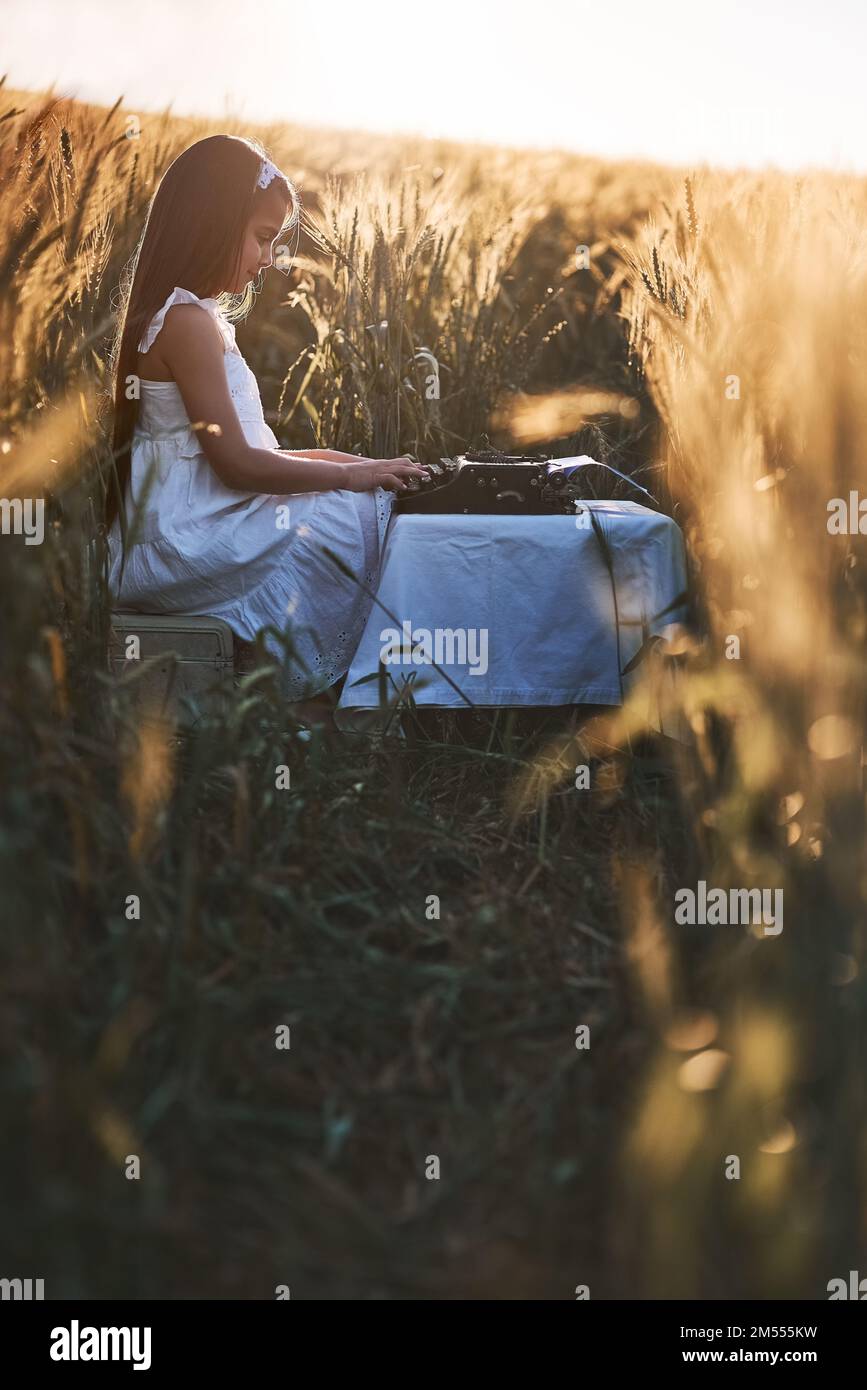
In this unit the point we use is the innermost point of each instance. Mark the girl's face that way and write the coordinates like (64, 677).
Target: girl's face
(259, 237)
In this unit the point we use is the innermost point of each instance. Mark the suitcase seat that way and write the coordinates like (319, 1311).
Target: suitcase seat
(185, 656)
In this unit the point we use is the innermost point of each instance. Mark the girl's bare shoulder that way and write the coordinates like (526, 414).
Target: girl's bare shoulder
(188, 323)
(185, 328)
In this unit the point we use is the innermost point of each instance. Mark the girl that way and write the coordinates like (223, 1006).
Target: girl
(215, 517)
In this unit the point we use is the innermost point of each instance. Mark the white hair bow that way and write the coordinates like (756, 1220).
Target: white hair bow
(268, 172)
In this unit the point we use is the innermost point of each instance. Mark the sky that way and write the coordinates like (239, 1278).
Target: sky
(748, 83)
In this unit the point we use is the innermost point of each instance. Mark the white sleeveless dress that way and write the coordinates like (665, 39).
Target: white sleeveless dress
(251, 559)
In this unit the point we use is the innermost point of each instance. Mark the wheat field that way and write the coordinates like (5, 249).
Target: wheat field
(713, 338)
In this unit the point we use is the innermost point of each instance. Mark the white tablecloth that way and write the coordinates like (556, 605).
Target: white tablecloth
(517, 610)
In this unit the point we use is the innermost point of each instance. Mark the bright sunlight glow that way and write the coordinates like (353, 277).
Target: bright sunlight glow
(754, 82)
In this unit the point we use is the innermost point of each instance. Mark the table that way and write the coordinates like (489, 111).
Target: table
(514, 610)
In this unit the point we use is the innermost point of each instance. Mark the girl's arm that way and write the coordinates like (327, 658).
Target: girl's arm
(193, 351)
(329, 455)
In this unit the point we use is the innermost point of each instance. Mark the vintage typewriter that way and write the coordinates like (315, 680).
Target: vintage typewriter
(488, 481)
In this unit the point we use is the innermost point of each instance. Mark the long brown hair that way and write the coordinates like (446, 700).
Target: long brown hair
(192, 236)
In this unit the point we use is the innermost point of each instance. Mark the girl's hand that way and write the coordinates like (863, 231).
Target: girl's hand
(397, 475)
